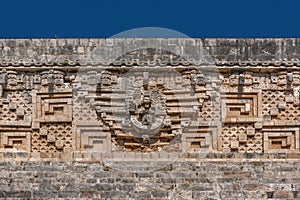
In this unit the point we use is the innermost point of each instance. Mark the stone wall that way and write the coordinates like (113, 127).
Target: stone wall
(206, 179)
(149, 95)
(242, 52)
(107, 118)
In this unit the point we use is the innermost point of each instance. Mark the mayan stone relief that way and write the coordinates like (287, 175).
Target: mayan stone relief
(145, 110)
(141, 108)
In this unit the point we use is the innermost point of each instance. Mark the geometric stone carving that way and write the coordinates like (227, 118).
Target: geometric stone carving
(279, 105)
(202, 139)
(15, 141)
(16, 108)
(133, 103)
(52, 137)
(279, 139)
(93, 139)
(241, 107)
(241, 138)
(142, 111)
(55, 107)
(148, 110)
(145, 111)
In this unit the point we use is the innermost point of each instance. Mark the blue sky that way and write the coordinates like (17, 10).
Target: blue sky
(103, 19)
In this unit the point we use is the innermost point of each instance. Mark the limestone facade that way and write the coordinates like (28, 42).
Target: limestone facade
(113, 96)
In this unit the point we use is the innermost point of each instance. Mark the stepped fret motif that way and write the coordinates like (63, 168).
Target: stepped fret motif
(145, 99)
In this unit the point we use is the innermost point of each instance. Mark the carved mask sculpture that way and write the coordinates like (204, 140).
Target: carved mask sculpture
(58, 78)
(248, 79)
(234, 79)
(296, 78)
(11, 78)
(106, 78)
(282, 78)
(52, 77)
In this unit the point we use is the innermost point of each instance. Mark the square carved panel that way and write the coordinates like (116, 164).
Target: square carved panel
(241, 107)
(55, 107)
(281, 139)
(200, 139)
(92, 138)
(15, 141)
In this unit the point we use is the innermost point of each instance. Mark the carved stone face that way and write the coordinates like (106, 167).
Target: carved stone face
(52, 77)
(234, 79)
(281, 79)
(248, 79)
(47, 77)
(44, 79)
(296, 78)
(11, 78)
(106, 78)
(58, 78)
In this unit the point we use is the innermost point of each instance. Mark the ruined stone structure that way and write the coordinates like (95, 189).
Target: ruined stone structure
(161, 100)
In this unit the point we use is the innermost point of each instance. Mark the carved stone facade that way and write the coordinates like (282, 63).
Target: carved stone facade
(149, 103)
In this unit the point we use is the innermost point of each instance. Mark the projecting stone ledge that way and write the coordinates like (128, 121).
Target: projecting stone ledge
(94, 157)
(86, 52)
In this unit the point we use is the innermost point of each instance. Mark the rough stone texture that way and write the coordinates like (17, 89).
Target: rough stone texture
(147, 118)
(255, 52)
(208, 179)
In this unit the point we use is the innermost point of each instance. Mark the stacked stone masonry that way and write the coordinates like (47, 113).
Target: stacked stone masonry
(213, 179)
(183, 102)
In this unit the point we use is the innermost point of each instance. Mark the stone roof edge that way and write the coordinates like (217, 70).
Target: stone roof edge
(222, 51)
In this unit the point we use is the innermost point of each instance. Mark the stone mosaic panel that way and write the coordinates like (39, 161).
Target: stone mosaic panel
(150, 100)
(175, 110)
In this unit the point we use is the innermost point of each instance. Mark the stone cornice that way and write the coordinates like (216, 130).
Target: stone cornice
(96, 52)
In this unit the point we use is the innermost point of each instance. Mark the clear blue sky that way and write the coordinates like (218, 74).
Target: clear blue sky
(104, 18)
